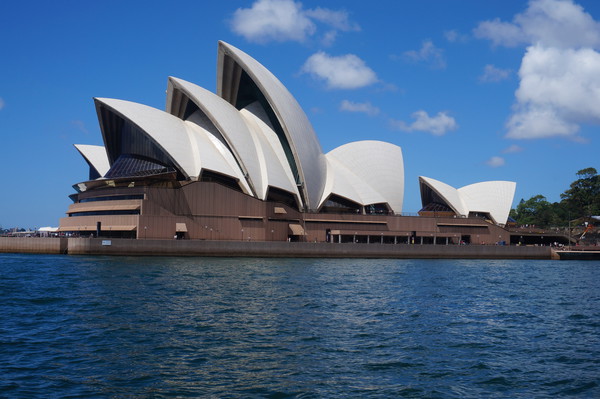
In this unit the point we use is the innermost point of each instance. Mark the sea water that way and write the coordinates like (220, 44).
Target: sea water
(138, 327)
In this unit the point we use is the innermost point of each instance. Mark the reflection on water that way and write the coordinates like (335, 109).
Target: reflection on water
(189, 327)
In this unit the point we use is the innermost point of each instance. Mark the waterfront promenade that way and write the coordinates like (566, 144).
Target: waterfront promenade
(99, 246)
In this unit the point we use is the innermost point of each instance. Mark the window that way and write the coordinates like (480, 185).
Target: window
(337, 204)
(107, 213)
(377, 209)
(113, 198)
(128, 165)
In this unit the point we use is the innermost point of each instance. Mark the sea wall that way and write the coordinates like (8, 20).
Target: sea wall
(98, 246)
(579, 255)
(33, 245)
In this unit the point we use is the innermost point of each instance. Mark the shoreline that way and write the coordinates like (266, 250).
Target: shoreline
(278, 249)
(131, 247)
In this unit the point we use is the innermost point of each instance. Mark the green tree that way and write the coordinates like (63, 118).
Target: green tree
(536, 210)
(583, 196)
(559, 215)
(581, 199)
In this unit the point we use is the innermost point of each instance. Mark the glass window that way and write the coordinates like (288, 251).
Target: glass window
(113, 198)
(106, 213)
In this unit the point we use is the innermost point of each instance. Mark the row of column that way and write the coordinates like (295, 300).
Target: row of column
(409, 239)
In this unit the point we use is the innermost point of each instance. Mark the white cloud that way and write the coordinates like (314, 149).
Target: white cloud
(366, 108)
(335, 18)
(512, 149)
(500, 33)
(329, 38)
(559, 23)
(568, 80)
(559, 86)
(495, 162)
(437, 125)
(2, 103)
(286, 20)
(453, 36)
(538, 122)
(428, 53)
(555, 23)
(342, 72)
(272, 20)
(559, 90)
(493, 74)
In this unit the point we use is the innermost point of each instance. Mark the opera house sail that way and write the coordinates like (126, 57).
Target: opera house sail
(491, 200)
(244, 163)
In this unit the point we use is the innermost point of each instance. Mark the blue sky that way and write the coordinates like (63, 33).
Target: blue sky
(471, 90)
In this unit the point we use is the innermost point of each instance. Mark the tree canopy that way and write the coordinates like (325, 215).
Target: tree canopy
(582, 199)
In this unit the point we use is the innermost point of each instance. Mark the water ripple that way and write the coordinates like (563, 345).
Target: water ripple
(140, 327)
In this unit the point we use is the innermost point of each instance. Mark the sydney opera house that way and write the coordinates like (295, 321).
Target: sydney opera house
(246, 164)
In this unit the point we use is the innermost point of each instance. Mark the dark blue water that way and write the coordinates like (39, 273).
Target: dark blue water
(134, 327)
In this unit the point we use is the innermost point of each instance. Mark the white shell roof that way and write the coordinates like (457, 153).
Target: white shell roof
(168, 131)
(230, 124)
(493, 197)
(211, 154)
(374, 169)
(343, 182)
(303, 141)
(190, 146)
(274, 167)
(96, 156)
(243, 144)
(448, 193)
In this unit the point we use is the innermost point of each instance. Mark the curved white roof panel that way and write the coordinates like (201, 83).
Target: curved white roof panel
(166, 130)
(96, 156)
(303, 142)
(342, 182)
(495, 197)
(254, 131)
(492, 197)
(187, 144)
(230, 124)
(211, 154)
(274, 167)
(379, 167)
(446, 192)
